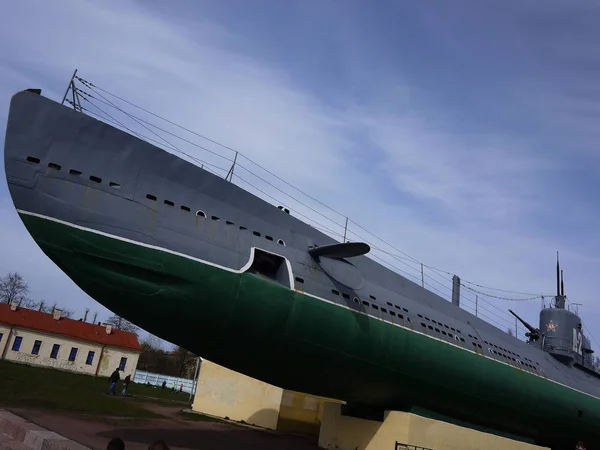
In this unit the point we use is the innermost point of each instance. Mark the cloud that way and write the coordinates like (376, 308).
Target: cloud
(455, 174)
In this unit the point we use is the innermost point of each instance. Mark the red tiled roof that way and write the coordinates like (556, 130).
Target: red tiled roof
(36, 320)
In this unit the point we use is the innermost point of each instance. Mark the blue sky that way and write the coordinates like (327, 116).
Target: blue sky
(463, 133)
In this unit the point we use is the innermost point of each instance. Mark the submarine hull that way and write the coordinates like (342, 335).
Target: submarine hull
(185, 255)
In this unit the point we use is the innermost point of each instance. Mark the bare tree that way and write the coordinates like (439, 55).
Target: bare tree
(185, 360)
(13, 288)
(151, 342)
(47, 308)
(65, 312)
(121, 324)
(26, 302)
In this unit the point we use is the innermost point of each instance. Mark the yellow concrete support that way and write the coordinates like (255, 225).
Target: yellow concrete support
(224, 393)
(301, 413)
(349, 433)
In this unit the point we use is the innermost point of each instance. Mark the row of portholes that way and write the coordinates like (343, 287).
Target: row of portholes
(76, 173)
(95, 179)
(373, 305)
(508, 351)
(440, 324)
(367, 304)
(531, 366)
(203, 215)
(448, 334)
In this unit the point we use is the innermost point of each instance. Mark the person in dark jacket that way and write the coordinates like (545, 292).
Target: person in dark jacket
(114, 379)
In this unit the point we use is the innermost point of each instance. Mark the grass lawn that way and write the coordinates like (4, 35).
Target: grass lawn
(40, 387)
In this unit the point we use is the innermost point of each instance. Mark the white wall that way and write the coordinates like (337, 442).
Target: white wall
(4, 329)
(102, 365)
(111, 358)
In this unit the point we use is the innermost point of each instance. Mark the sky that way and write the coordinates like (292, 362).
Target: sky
(460, 133)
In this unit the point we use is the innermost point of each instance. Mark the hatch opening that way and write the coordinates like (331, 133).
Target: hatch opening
(270, 267)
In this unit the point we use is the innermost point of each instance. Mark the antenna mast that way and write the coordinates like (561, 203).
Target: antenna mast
(560, 286)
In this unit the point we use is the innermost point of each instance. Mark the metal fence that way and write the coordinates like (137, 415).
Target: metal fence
(400, 446)
(156, 379)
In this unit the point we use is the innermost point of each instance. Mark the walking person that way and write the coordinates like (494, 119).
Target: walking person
(126, 382)
(114, 379)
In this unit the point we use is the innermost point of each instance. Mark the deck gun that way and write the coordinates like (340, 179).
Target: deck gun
(534, 333)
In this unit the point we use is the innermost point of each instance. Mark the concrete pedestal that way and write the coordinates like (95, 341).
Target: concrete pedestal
(401, 430)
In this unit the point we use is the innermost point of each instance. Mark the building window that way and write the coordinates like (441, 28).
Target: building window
(122, 363)
(36, 348)
(54, 352)
(73, 354)
(17, 343)
(90, 358)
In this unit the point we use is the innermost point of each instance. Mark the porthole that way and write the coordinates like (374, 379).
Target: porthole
(281, 242)
(201, 213)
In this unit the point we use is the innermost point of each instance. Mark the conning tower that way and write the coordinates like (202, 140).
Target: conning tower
(562, 330)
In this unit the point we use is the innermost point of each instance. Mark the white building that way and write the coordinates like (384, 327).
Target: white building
(37, 338)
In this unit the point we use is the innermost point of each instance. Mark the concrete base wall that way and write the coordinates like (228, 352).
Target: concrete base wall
(301, 413)
(401, 431)
(224, 393)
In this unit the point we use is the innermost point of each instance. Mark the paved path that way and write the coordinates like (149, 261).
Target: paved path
(16, 433)
(7, 443)
(177, 433)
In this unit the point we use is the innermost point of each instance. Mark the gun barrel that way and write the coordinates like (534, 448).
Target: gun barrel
(529, 327)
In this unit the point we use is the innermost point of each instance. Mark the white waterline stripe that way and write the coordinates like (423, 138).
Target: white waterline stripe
(291, 276)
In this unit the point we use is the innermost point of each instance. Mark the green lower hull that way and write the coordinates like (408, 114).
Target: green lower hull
(298, 342)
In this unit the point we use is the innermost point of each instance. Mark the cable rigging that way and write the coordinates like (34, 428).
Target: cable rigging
(416, 268)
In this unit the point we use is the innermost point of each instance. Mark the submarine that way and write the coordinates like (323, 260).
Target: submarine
(200, 262)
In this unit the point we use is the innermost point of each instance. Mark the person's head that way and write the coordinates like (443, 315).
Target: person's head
(116, 444)
(580, 446)
(158, 445)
